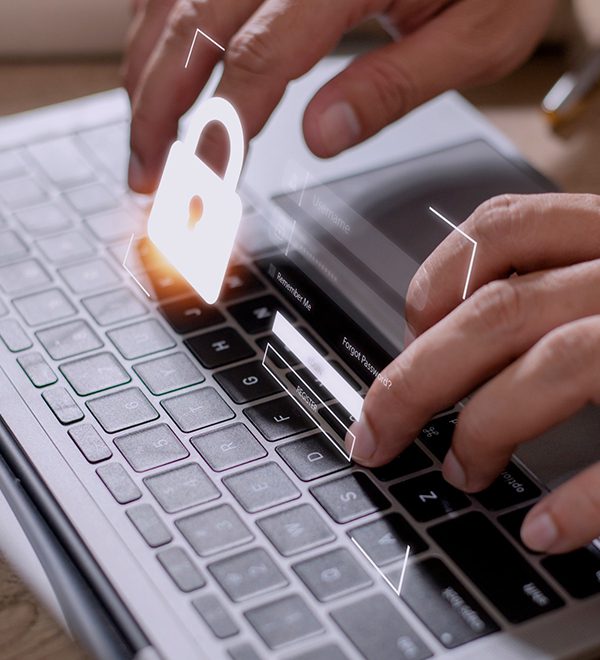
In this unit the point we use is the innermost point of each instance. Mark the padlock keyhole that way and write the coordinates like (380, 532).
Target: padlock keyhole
(196, 210)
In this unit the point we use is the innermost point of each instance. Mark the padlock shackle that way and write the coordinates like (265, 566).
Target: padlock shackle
(220, 110)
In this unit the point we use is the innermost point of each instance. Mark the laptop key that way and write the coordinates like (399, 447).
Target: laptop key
(412, 459)
(443, 604)
(89, 276)
(11, 164)
(115, 224)
(248, 574)
(512, 523)
(312, 457)
(437, 435)
(114, 307)
(62, 405)
(284, 622)
(45, 219)
(24, 191)
(89, 443)
(62, 162)
(512, 487)
(243, 652)
(228, 447)
(261, 487)
(45, 307)
(277, 353)
(212, 531)
(69, 339)
(92, 198)
(215, 616)
(37, 369)
(239, 282)
(385, 540)
(494, 565)
(332, 575)
(279, 419)
(181, 488)
(197, 410)
(181, 569)
(296, 530)
(95, 374)
(67, 247)
(149, 525)
(328, 652)
(151, 448)
(219, 348)
(190, 314)
(394, 637)
(119, 483)
(429, 496)
(141, 339)
(122, 410)
(13, 336)
(23, 276)
(578, 572)
(248, 382)
(350, 497)
(257, 315)
(168, 374)
(12, 247)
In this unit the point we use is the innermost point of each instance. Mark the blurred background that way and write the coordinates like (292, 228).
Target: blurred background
(55, 50)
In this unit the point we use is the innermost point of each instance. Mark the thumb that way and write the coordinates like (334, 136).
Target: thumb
(451, 51)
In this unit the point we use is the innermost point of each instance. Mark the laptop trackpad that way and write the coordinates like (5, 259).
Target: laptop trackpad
(566, 449)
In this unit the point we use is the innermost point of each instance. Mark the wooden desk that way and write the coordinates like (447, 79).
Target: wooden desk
(27, 632)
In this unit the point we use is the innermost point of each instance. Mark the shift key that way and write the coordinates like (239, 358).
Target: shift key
(495, 566)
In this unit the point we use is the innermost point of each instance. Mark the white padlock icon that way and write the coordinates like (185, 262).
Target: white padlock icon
(200, 251)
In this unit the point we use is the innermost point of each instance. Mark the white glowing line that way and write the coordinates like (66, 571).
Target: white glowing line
(212, 41)
(348, 457)
(472, 240)
(124, 264)
(383, 575)
(318, 366)
(290, 239)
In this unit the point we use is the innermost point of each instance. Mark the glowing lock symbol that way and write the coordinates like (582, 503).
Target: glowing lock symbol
(196, 214)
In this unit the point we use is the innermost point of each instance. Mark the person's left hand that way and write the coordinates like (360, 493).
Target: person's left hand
(531, 343)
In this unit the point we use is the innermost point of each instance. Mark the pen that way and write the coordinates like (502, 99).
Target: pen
(566, 97)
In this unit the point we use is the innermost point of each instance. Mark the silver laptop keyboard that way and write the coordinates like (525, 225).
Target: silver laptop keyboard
(174, 391)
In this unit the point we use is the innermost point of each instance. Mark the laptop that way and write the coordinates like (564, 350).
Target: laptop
(177, 468)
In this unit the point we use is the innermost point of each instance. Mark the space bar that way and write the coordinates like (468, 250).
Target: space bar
(484, 554)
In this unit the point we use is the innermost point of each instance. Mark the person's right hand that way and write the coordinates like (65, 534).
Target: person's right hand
(446, 44)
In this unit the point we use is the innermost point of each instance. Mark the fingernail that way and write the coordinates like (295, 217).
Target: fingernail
(136, 174)
(420, 292)
(539, 533)
(359, 441)
(453, 471)
(339, 128)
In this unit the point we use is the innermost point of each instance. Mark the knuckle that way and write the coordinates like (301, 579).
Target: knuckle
(497, 218)
(251, 52)
(498, 307)
(183, 20)
(567, 352)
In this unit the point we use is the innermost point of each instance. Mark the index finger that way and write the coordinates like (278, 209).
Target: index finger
(514, 234)
(167, 89)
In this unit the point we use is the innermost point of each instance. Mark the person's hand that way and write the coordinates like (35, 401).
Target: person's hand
(446, 44)
(531, 343)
